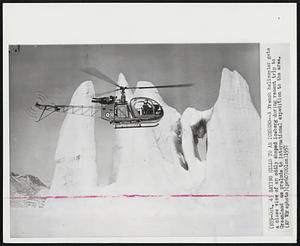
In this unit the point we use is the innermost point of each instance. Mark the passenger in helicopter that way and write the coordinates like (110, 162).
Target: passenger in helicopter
(157, 109)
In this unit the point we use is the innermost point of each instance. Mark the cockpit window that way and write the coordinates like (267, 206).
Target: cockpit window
(145, 107)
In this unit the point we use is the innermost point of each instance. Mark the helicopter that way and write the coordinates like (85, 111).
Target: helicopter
(136, 113)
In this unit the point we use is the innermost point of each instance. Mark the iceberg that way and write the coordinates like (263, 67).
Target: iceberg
(167, 158)
(234, 141)
(75, 157)
(166, 162)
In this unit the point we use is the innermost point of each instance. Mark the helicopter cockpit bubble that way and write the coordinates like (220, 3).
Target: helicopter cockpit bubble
(143, 107)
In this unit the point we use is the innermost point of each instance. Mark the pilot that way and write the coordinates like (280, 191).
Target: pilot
(146, 108)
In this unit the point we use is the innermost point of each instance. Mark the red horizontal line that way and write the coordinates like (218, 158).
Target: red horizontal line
(144, 196)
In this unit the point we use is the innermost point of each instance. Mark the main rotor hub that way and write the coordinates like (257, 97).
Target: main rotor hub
(123, 96)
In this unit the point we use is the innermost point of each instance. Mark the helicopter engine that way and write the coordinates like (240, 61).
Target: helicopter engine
(104, 100)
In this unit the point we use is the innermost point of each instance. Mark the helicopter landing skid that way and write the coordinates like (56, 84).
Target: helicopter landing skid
(134, 125)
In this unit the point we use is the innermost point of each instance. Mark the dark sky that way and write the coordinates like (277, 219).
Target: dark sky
(55, 71)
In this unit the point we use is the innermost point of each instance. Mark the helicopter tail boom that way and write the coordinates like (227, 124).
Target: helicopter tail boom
(48, 109)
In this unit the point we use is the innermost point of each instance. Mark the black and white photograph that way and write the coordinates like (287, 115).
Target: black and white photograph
(162, 129)
(148, 140)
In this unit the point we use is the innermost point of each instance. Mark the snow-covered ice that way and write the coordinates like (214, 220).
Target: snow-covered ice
(75, 157)
(190, 118)
(234, 144)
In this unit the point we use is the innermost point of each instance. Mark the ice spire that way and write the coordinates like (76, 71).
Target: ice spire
(75, 157)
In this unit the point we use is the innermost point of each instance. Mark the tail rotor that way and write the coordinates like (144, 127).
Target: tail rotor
(33, 111)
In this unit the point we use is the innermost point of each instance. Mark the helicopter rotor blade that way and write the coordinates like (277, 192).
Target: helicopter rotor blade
(95, 72)
(160, 86)
(106, 92)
